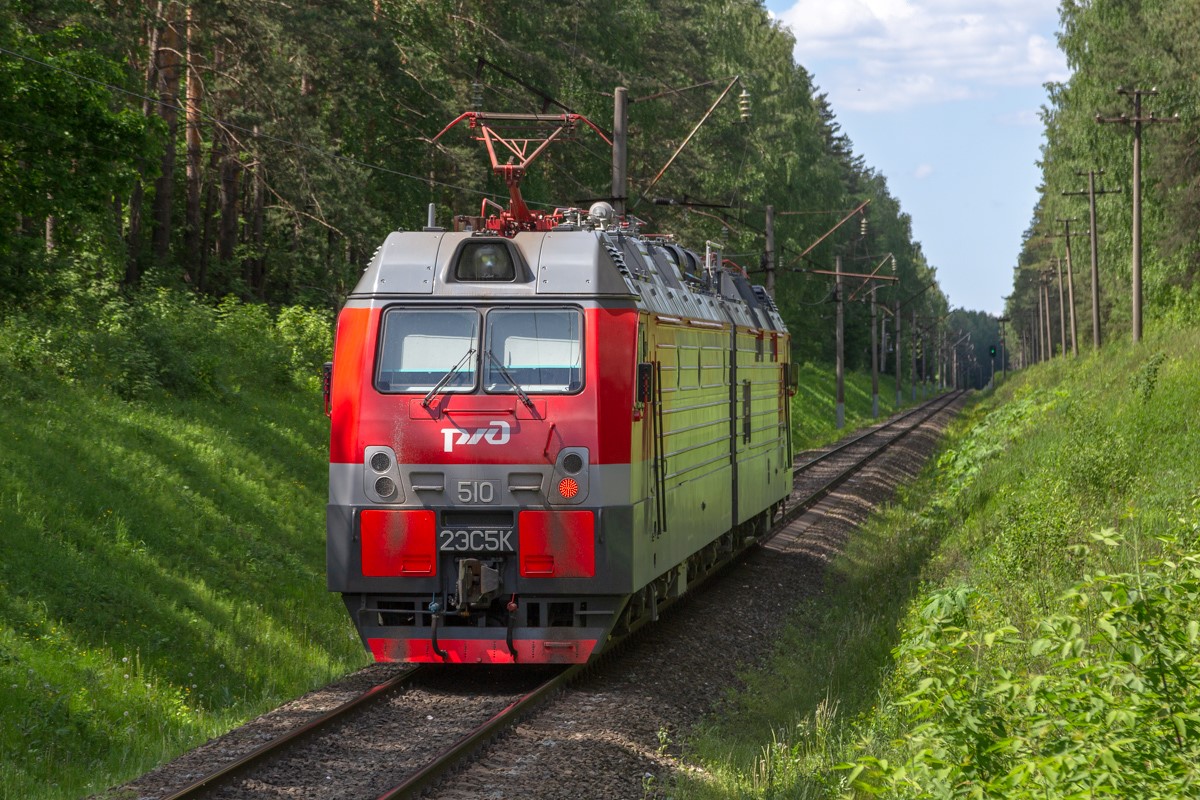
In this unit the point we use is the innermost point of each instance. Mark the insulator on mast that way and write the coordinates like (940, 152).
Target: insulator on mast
(744, 105)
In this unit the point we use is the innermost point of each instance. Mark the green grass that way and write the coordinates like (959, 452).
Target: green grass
(163, 570)
(162, 579)
(163, 470)
(814, 405)
(1020, 622)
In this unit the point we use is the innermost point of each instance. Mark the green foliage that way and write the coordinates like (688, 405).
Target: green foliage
(163, 473)
(67, 142)
(315, 137)
(1020, 623)
(1143, 381)
(1111, 44)
(1107, 702)
(169, 341)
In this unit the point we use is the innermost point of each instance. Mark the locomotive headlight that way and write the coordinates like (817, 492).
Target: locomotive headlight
(382, 481)
(571, 476)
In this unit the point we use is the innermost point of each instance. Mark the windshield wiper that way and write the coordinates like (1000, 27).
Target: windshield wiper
(512, 381)
(447, 378)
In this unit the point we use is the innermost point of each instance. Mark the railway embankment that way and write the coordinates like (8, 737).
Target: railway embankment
(1019, 622)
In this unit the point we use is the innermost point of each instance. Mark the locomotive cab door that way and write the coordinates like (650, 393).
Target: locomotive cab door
(648, 410)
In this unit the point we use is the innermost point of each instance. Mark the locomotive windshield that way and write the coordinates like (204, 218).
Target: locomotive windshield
(539, 349)
(421, 347)
(527, 351)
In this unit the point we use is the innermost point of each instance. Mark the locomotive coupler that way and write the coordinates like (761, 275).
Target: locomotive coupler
(478, 583)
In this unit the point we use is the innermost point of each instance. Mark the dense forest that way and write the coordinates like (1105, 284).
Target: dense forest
(261, 151)
(1114, 48)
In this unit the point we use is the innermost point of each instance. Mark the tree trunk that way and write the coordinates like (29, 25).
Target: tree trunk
(133, 237)
(255, 266)
(227, 237)
(211, 202)
(168, 84)
(192, 218)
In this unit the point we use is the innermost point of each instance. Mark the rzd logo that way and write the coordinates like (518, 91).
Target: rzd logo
(496, 434)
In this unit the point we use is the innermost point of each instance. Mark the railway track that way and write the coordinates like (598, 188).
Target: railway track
(440, 718)
(814, 478)
(433, 719)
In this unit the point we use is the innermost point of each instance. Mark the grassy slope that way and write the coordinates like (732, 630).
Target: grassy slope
(946, 658)
(813, 407)
(162, 577)
(163, 570)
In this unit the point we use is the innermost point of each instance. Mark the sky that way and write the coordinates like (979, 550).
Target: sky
(942, 97)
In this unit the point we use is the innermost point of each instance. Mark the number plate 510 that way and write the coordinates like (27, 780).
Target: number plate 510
(476, 492)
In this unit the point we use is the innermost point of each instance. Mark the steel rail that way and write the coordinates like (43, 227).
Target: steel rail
(450, 758)
(871, 432)
(277, 744)
(822, 492)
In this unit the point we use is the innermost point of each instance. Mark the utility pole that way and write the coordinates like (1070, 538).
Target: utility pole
(899, 362)
(874, 360)
(1062, 307)
(943, 357)
(1094, 237)
(1041, 318)
(1071, 288)
(840, 409)
(912, 375)
(620, 149)
(771, 251)
(1003, 349)
(883, 338)
(1137, 120)
(1045, 280)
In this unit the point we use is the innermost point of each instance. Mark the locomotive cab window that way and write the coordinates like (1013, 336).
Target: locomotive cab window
(538, 350)
(423, 347)
(485, 261)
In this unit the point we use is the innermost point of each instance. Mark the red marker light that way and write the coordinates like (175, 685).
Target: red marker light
(568, 487)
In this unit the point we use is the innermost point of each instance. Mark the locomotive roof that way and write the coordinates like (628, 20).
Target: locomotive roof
(578, 264)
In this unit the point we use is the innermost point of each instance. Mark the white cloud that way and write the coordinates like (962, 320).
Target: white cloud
(923, 171)
(1025, 118)
(877, 55)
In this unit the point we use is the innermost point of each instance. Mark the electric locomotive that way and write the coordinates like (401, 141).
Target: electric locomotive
(544, 428)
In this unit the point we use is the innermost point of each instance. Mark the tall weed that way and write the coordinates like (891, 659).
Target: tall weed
(1105, 700)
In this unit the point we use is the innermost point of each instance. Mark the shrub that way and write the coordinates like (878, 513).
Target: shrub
(167, 340)
(1108, 701)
